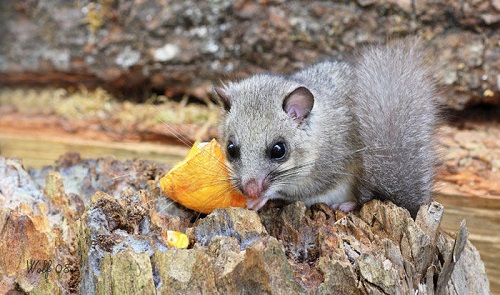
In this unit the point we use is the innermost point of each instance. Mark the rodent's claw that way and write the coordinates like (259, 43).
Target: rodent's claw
(256, 204)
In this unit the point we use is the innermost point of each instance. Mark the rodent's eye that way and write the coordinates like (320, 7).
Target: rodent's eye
(278, 151)
(232, 150)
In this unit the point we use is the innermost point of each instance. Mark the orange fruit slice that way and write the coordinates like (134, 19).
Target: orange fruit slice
(200, 182)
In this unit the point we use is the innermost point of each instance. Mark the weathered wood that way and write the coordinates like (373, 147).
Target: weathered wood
(451, 260)
(482, 216)
(180, 47)
(115, 241)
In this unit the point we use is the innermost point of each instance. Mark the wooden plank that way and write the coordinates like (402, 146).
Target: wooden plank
(40, 150)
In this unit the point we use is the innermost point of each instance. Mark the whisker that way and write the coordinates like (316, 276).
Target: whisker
(166, 125)
(126, 175)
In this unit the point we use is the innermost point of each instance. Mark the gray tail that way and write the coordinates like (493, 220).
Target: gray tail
(395, 101)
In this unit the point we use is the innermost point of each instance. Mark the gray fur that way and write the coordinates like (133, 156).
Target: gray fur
(368, 135)
(396, 108)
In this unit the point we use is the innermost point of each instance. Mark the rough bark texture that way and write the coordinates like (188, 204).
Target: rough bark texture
(180, 47)
(99, 227)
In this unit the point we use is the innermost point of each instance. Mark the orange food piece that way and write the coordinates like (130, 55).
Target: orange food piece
(200, 182)
(177, 239)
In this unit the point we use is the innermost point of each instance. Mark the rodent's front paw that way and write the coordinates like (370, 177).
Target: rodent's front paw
(345, 207)
(256, 204)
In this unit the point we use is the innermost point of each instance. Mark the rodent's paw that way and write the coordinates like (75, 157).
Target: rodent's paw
(256, 204)
(345, 207)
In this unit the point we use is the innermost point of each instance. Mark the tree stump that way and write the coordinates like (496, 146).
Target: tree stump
(98, 226)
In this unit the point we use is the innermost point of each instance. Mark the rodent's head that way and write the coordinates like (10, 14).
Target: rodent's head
(264, 131)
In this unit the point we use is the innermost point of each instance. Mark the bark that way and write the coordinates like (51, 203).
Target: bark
(183, 47)
(100, 227)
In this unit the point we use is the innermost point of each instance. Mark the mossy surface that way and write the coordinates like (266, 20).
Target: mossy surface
(99, 104)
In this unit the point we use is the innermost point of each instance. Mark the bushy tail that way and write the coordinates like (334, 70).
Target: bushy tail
(395, 102)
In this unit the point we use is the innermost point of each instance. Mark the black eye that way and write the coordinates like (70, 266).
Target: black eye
(278, 151)
(232, 150)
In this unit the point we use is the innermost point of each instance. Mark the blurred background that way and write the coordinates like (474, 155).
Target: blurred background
(132, 79)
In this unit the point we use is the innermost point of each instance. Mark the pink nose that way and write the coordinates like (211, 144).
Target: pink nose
(252, 189)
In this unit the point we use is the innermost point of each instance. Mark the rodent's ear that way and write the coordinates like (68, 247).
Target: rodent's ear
(298, 104)
(223, 97)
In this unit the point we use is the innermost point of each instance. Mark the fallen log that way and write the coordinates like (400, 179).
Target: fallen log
(180, 47)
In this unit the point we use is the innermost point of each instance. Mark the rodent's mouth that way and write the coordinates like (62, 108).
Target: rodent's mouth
(256, 203)
(252, 197)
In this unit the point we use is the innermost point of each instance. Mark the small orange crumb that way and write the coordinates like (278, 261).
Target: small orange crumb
(200, 182)
(177, 239)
